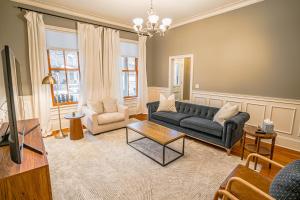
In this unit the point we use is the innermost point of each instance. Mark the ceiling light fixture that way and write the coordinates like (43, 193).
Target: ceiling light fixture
(152, 25)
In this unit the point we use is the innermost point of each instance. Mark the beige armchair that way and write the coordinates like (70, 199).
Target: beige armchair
(99, 123)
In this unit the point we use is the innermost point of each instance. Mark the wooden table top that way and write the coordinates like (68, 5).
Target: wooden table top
(251, 130)
(156, 132)
(76, 116)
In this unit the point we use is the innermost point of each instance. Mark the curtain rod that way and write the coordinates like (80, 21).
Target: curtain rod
(54, 15)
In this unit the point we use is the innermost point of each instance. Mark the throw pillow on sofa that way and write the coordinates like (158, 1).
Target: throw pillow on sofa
(167, 104)
(225, 113)
(110, 105)
(96, 106)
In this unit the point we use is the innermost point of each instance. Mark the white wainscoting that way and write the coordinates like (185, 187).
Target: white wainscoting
(285, 113)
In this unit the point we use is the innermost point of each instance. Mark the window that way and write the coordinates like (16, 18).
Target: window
(63, 63)
(64, 66)
(129, 66)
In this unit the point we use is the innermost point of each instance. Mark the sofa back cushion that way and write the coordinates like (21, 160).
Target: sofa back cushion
(286, 184)
(196, 110)
(110, 105)
(96, 106)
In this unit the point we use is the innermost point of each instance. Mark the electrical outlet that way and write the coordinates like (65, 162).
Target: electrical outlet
(197, 86)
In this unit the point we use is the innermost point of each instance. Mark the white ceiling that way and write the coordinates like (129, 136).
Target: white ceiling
(121, 12)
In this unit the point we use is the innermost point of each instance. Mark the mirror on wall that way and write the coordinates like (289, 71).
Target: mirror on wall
(180, 77)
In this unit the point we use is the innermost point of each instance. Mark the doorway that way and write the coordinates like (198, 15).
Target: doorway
(180, 76)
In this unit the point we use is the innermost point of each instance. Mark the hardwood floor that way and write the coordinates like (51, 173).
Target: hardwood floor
(281, 155)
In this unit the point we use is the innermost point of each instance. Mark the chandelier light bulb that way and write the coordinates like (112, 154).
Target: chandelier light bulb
(152, 24)
(167, 21)
(153, 19)
(138, 21)
(162, 27)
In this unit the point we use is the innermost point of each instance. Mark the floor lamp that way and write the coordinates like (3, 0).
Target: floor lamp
(49, 80)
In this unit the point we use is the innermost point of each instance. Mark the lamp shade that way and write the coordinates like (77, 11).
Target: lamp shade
(167, 21)
(138, 21)
(153, 19)
(49, 80)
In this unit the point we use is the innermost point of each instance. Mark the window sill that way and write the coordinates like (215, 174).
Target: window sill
(130, 98)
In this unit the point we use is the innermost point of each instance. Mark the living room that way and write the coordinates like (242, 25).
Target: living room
(160, 100)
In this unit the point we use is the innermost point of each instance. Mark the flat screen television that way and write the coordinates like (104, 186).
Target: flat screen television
(9, 98)
(12, 115)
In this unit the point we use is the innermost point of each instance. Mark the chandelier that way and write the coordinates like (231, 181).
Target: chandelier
(152, 25)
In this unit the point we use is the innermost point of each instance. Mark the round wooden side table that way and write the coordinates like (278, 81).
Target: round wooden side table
(256, 146)
(76, 131)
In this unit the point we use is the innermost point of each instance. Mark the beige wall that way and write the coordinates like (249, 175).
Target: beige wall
(253, 50)
(13, 32)
(186, 79)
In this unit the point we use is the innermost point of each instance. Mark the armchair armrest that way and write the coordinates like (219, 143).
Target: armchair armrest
(255, 155)
(248, 185)
(123, 109)
(224, 193)
(92, 115)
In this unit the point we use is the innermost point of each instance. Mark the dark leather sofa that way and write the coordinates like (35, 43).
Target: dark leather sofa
(197, 122)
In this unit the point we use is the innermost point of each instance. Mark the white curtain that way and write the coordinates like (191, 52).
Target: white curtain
(111, 69)
(142, 76)
(90, 51)
(38, 69)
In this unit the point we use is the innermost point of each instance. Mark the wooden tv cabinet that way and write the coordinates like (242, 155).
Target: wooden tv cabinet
(31, 178)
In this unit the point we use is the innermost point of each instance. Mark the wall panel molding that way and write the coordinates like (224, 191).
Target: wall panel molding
(283, 117)
(285, 113)
(259, 118)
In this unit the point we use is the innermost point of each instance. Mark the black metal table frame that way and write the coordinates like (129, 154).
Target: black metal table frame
(164, 147)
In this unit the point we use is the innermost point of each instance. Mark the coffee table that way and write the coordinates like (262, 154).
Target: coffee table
(159, 134)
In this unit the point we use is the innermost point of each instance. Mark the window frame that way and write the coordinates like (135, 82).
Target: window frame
(136, 70)
(65, 69)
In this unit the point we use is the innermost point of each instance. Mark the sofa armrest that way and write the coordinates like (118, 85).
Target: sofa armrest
(152, 107)
(92, 115)
(233, 128)
(123, 109)
(239, 119)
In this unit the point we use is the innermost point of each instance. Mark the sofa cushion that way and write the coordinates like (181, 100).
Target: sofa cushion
(226, 112)
(166, 104)
(107, 118)
(170, 117)
(286, 184)
(95, 105)
(203, 125)
(110, 105)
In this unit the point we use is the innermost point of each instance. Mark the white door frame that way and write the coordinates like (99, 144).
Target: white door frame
(191, 71)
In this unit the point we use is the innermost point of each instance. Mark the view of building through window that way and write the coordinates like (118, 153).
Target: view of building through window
(64, 66)
(129, 76)
(129, 66)
(63, 63)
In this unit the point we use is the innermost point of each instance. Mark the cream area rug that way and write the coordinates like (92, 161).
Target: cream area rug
(104, 167)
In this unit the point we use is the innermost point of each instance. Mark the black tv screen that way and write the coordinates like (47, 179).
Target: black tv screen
(10, 105)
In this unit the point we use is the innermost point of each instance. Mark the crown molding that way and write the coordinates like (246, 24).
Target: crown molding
(217, 11)
(81, 14)
(68, 11)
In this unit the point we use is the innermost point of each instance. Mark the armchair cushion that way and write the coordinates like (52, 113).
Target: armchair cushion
(107, 118)
(110, 105)
(95, 105)
(286, 184)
